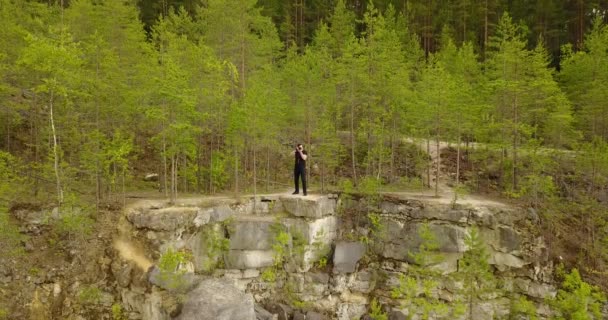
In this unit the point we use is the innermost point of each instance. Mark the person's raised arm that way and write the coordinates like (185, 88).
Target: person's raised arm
(303, 155)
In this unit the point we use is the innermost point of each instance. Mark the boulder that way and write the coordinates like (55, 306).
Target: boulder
(312, 315)
(152, 307)
(509, 239)
(503, 261)
(263, 314)
(217, 299)
(249, 259)
(363, 282)
(402, 239)
(320, 231)
(205, 246)
(122, 272)
(310, 207)
(347, 255)
(348, 311)
(173, 281)
(221, 213)
(165, 219)
(299, 316)
(283, 311)
(252, 234)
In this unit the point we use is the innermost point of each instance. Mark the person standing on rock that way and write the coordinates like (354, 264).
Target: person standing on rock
(299, 169)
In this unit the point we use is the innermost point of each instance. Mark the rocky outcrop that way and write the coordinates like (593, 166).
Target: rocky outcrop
(298, 258)
(217, 299)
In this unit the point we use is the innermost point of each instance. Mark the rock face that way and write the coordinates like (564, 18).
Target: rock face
(280, 249)
(217, 299)
(310, 207)
(346, 256)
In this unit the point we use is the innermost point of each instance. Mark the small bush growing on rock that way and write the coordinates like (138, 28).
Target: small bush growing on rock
(169, 266)
(89, 295)
(376, 312)
(117, 312)
(523, 308)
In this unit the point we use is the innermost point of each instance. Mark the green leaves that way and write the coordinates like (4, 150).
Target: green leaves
(577, 299)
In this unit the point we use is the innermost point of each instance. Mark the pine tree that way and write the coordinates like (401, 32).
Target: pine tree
(475, 271)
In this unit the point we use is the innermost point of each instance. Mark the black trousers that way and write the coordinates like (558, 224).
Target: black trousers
(299, 171)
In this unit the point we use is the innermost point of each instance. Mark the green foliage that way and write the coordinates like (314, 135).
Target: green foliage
(89, 295)
(74, 218)
(417, 290)
(3, 314)
(10, 236)
(577, 299)
(269, 275)
(523, 307)
(474, 270)
(428, 251)
(117, 312)
(170, 266)
(215, 246)
(376, 312)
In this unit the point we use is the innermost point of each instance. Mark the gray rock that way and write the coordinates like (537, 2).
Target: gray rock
(221, 213)
(263, 314)
(249, 259)
(34, 218)
(309, 207)
(202, 217)
(217, 299)
(173, 281)
(122, 273)
(509, 239)
(321, 231)
(347, 255)
(541, 290)
(348, 311)
(299, 316)
(504, 261)
(152, 308)
(402, 239)
(252, 234)
(151, 177)
(311, 315)
(363, 282)
(283, 311)
(131, 300)
(204, 246)
(166, 219)
(396, 315)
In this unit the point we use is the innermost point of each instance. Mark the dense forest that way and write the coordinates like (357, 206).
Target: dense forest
(213, 94)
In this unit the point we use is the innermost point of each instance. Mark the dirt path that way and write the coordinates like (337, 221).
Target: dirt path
(445, 193)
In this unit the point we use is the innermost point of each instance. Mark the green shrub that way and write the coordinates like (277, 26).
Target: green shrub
(577, 299)
(89, 295)
(376, 312)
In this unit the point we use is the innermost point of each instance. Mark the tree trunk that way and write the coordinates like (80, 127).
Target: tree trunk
(458, 158)
(267, 168)
(352, 137)
(392, 169)
(165, 183)
(428, 167)
(55, 152)
(515, 140)
(236, 172)
(485, 31)
(437, 166)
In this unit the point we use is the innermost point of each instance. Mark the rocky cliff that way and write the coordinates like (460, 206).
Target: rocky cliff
(330, 257)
